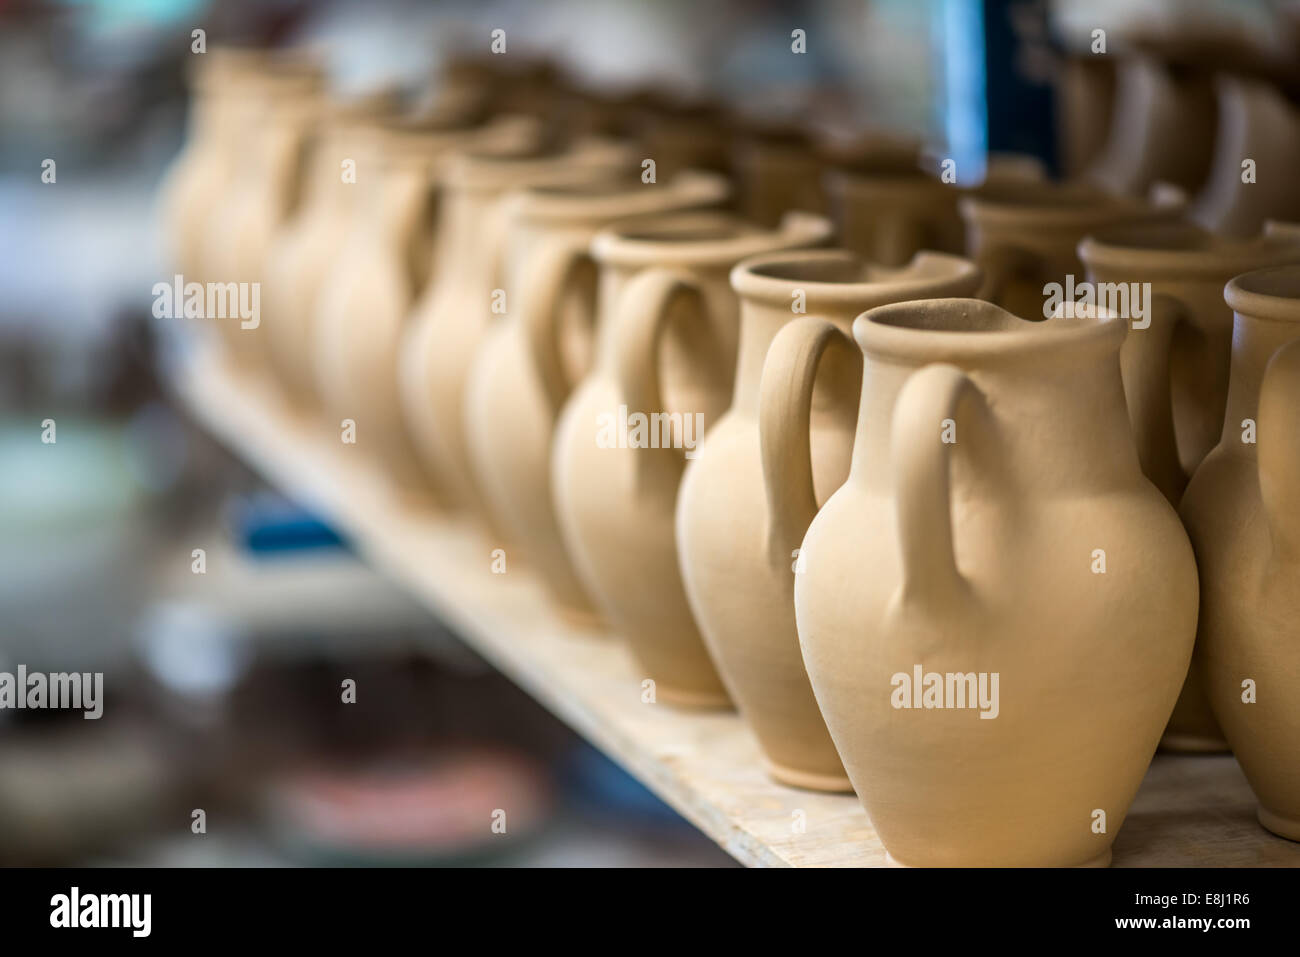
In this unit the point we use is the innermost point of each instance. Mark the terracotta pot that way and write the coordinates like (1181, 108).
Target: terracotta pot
(387, 261)
(1255, 123)
(887, 214)
(280, 104)
(449, 322)
(304, 252)
(993, 471)
(1242, 511)
(665, 347)
(532, 357)
(1025, 235)
(743, 508)
(1162, 129)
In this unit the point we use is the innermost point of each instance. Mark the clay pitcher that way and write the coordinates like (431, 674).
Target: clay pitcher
(743, 506)
(777, 169)
(304, 252)
(1256, 124)
(1176, 356)
(1025, 236)
(263, 192)
(997, 608)
(1175, 364)
(887, 212)
(196, 178)
(366, 299)
(1242, 511)
(663, 373)
(449, 322)
(534, 354)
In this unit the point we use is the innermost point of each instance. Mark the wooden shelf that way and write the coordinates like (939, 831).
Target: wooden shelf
(1190, 811)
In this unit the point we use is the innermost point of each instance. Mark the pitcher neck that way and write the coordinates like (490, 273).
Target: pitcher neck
(1047, 424)
(1254, 342)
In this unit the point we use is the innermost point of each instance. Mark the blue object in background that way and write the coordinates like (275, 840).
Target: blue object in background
(269, 524)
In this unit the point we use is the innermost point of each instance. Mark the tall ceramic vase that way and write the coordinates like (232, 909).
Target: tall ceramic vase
(533, 355)
(997, 608)
(744, 504)
(663, 373)
(366, 298)
(1242, 511)
(1175, 363)
(449, 322)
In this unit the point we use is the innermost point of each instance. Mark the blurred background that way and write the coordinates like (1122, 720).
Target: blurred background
(222, 688)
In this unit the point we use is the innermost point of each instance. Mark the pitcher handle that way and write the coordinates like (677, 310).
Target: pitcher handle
(553, 273)
(1148, 387)
(784, 426)
(644, 306)
(1278, 435)
(922, 481)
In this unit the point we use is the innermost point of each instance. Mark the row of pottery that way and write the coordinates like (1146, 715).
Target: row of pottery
(813, 524)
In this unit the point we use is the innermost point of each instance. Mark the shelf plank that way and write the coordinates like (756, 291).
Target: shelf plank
(1190, 811)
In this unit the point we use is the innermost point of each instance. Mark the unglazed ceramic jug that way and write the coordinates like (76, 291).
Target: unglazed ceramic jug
(303, 253)
(997, 608)
(888, 213)
(663, 373)
(1175, 365)
(1242, 511)
(738, 535)
(275, 120)
(448, 324)
(1176, 356)
(777, 169)
(365, 301)
(532, 356)
(1256, 124)
(194, 183)
(781, 166)
(1024, 236)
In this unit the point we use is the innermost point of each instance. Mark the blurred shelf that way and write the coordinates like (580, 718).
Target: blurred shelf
(1191, 811)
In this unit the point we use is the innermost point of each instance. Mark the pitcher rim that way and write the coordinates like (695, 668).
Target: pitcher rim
(1252, 293)
(619, 245)
(877, 337)
(1108, 249)
(955, 275)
